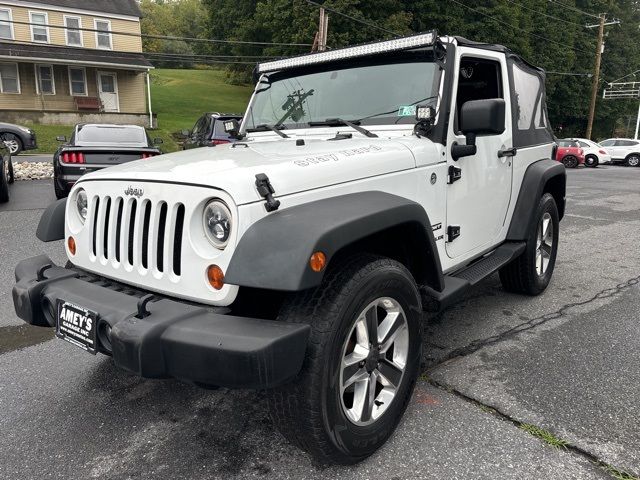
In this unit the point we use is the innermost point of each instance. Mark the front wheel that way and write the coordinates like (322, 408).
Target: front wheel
(633, 160)
(531, 272)
(591, 161)
(12, 142)
(363, 358)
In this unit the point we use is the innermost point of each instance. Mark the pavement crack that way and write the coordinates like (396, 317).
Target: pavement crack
(476, 345)
(615, 472)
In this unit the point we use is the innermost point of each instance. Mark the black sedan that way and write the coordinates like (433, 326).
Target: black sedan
(17, 138)
(95, 146)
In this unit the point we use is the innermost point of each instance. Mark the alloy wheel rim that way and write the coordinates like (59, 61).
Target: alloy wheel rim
(544, 244)
(634, 161)
(12, 145)
(373, 361)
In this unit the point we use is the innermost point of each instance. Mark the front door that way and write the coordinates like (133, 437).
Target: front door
(477, 203)
(108, 91)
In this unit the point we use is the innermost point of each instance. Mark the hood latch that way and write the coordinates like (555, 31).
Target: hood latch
(265, 189)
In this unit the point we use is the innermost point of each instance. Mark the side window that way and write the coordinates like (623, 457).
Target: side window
(197, 128)
(583, 144)
(625, 143)
(478, 79)
(528, 96)
(607, 143)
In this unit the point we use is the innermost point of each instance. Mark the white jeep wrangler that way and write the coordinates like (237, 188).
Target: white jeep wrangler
(367, 184)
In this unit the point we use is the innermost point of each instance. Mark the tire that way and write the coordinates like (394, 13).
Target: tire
(591, 161)
(13, 142)
(524, 274)
(12, 177)
(60, 192)
(570, 161)
(632, 160)
(4, 180)
(311, 411)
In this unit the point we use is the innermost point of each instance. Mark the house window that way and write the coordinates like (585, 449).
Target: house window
(103, 35)
(77, 81)
(39, 28)
(9, 79)
(6, 27)
(74, 36)
(44, 80)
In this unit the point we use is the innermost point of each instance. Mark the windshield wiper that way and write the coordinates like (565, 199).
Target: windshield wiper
(263, 127)
(335, 122)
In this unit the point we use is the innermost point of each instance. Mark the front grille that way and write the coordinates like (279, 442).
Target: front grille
(139, 233)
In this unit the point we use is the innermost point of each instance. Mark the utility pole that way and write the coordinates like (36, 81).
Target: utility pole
(596, 69)
(320, 41)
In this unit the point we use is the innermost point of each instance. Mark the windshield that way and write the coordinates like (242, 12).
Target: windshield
(374, 92)
(110, 135)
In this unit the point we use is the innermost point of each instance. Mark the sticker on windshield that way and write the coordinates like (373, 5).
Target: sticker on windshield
(407, 111)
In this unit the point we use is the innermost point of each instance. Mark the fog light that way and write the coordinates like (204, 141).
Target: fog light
(318, 261)
(215, 276)
(71, 244)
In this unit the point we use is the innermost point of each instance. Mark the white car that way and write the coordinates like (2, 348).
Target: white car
(594, 154)
(623, 150)
(366, 184)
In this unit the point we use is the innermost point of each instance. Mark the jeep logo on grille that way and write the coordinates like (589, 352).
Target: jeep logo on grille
(136, 192)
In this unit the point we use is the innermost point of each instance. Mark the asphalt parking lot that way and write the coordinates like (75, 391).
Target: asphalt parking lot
(566, 362)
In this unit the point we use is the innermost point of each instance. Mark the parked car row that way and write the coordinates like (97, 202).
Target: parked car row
(17, 138)
(573, 152)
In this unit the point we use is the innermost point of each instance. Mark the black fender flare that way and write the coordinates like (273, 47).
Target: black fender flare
(51, 226)
(540, 177)
(274, 252)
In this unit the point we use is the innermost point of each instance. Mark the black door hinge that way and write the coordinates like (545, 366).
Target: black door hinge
(455, 174)
(265, 189)
(453, 232)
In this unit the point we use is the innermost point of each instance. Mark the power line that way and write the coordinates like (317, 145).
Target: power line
(355, 19)
(156, 37)
(571, 7)
(625, 76)
(517, 28)
(546, 14)
(569, 74)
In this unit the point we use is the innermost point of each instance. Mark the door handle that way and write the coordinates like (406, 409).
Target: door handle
(509, 152)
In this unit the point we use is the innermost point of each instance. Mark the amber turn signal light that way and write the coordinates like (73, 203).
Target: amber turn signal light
(71, 244)
(318, 261)
(215, 276)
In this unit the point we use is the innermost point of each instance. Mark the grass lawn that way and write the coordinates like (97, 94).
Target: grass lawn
(178, 97)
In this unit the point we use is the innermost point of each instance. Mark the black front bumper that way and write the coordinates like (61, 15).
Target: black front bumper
(174, 339)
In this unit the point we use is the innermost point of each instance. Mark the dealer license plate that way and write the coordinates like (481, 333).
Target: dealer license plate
(77, 325)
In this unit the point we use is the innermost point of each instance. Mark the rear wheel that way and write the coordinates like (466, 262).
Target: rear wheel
(12, 142)
(531, 272)
(362, 362)
(570, 161)
(591, 161)
(633, 160)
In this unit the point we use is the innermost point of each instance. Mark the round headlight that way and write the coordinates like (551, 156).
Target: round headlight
(81, 204)
(217, 223)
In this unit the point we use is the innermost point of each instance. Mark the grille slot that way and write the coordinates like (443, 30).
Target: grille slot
(177, 240)
(140, 234)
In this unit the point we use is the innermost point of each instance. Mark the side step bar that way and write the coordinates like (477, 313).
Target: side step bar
(457, 283)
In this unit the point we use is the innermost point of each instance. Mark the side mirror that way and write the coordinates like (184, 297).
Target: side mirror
(185, 133)
(158, 141)
(479, 117)
(232, 127)
(61, 138)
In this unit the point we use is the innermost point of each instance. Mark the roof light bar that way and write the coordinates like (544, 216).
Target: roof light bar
(404, 43)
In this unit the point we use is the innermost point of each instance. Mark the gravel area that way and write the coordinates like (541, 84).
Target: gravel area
(33, 170)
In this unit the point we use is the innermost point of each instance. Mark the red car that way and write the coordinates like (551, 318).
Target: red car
(569, 153)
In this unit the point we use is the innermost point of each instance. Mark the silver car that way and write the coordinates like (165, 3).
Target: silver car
(623, 150)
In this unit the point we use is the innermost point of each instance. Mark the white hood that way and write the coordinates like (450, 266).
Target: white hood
(291, 168)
